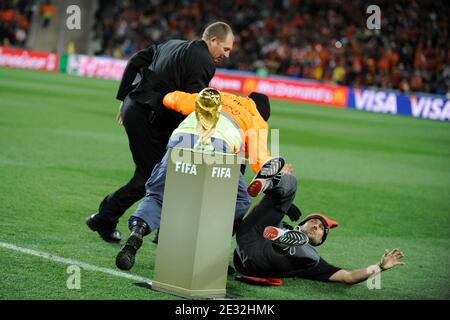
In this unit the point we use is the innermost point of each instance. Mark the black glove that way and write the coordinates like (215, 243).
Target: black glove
(285, 225)
(294, 213)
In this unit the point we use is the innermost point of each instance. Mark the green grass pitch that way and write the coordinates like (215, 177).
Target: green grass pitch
(385, 179)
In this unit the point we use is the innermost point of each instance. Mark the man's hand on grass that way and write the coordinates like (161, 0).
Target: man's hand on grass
(391, 259)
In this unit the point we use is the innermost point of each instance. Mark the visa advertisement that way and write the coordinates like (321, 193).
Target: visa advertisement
(417, 105)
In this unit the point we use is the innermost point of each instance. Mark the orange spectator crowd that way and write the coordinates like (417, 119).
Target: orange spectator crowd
(322, 40)
(14, 22)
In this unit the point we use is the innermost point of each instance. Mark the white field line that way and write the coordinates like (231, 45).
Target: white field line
(83, 265)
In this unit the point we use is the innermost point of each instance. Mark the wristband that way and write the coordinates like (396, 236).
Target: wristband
(374, 269)
(380, 264)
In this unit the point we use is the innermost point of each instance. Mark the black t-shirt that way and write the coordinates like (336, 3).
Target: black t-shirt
(322, 271)
(270, 262)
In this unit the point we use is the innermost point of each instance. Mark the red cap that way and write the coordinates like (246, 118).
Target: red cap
(327, 223)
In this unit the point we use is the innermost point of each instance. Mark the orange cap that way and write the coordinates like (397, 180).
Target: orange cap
(327, 223)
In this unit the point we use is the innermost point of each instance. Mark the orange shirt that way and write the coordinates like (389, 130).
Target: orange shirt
(242, 110)
(48, 10)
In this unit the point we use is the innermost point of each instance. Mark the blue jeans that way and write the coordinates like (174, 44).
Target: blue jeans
(149, 209)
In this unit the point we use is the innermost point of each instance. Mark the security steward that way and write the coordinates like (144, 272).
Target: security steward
(149, 75)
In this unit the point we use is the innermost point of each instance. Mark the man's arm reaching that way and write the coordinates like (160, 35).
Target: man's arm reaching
(180, 101)
(388, 261)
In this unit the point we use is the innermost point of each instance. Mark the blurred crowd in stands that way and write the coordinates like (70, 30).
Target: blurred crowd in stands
(323, 40)
(15, 17)
(326, 41)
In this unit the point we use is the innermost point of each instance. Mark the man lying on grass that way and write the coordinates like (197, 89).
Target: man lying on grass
(268, 248)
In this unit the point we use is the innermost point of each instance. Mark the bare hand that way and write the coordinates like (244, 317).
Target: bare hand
(119, 117)
(288, 168)
(391, 259)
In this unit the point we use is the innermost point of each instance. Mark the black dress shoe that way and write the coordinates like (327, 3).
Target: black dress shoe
(106, 232)
(126, 257)
(231, 270)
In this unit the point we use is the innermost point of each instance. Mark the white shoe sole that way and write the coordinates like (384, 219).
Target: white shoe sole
(268, 171)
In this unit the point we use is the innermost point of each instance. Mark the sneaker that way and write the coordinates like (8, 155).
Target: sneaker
(269, 171)
(106, 232)
(285, 238)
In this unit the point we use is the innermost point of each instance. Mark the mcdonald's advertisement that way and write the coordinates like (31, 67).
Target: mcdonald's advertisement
(281, 88)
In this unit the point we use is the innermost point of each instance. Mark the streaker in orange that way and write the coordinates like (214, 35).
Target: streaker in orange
(243, 111)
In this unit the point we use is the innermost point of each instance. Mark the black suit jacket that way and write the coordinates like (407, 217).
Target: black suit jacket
(157, 70)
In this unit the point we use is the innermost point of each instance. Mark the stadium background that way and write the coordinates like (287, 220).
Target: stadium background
(384, 178)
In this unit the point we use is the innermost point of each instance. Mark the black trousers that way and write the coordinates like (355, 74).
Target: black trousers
(148, 141)
(253, 253)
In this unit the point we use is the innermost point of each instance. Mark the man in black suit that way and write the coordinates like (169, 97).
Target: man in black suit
(150, 74)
